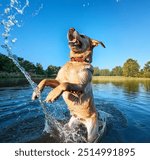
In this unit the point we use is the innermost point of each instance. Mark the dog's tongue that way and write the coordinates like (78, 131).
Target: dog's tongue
(73, 41)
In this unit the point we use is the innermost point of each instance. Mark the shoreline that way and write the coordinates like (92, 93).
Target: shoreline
(98, 79)
(13, 82)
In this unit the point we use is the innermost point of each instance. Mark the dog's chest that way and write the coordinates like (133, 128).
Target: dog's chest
(75, 72)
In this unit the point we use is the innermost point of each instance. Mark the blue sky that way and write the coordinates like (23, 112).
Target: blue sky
(123, 26)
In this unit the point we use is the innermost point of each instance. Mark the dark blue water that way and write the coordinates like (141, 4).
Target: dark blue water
(128, 103)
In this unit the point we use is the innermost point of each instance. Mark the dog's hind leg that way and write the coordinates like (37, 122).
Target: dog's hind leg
(73, 122)
(92, 129)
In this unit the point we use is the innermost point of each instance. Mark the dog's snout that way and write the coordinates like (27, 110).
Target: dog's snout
(72, 29)
(71, 34)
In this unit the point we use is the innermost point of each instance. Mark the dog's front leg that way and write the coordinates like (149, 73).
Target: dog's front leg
(56, 92)
(45, 82)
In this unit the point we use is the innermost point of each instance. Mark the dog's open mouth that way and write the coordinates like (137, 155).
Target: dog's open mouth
(73, 38)
(75, 42)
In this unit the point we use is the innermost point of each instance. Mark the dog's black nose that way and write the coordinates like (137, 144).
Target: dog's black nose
(72, 29)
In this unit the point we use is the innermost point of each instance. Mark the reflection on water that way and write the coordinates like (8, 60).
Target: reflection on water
(127, 103)
(130, 86)
(133, 86)
(146, 85)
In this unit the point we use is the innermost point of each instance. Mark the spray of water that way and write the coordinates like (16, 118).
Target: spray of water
(37, 11)
(8, 22)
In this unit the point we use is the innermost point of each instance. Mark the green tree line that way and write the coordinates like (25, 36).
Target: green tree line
(130, 68)
(9, 69)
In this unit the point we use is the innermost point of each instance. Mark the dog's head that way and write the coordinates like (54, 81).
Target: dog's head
(81, 46)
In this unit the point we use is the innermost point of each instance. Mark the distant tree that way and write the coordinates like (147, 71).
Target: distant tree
(39, 69)
(131, 68)
(7, 65)
(96, 71)
(104, 72)
(117, 71)
(28, 66)
(52, 70)
(146, 70)
(141, 73)
(21, 60)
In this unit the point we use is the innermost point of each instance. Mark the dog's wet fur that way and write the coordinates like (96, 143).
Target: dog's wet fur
(73, 82)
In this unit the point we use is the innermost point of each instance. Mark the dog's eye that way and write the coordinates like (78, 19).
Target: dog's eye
(82, 36)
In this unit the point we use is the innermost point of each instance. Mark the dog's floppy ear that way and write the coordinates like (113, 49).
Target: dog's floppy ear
(96, 43)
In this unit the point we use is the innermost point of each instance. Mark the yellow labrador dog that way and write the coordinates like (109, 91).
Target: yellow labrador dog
(73, 82)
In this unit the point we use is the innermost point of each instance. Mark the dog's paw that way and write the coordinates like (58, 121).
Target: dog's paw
(35, 94)
(53, 95)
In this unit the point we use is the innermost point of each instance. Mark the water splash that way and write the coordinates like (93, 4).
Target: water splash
(9, 19)
(86, 4)
(17, 6)
(8, 22)
(38, 10)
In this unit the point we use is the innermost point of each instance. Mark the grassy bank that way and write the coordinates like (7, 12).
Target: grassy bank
(98, 79)
(12, 82)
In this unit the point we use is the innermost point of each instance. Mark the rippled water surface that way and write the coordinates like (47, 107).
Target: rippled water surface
(128, 103)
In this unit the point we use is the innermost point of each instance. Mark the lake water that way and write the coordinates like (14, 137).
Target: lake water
(128, 103)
